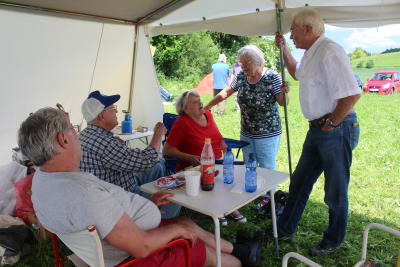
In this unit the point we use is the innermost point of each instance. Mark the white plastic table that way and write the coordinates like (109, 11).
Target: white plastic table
(224, 199)
(135, 135)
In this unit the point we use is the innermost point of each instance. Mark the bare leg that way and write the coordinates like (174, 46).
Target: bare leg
(226, 259)
(207, 237)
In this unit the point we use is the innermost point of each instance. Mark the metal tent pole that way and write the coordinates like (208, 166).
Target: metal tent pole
(279, 10)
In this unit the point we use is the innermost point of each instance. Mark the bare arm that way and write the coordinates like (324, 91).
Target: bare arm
(126, 235)
(176, 153)
(290, 61)
(159, 132)
(343, 108)
(224, 94)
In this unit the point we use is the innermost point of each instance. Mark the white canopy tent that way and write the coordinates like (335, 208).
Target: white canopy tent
(58, 51)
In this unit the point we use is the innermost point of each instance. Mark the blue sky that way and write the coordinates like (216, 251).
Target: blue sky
(373, 40)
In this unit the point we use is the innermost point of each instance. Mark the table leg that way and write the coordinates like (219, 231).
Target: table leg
(217, 241)
(274, 227)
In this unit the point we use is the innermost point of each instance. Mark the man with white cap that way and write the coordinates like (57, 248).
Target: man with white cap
(110, 159)
(220, 78)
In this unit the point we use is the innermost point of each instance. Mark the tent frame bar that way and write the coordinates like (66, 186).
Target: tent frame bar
(143, 20)
(65, 12)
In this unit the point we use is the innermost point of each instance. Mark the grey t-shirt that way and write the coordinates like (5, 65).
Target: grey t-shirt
(69, 202)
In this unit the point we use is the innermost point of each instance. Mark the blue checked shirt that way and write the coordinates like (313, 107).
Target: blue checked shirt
(111, 160)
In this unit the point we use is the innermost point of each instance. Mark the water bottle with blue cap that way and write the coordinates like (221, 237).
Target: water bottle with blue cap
(127, 124)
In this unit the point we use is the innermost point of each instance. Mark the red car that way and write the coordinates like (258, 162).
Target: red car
(383, 83)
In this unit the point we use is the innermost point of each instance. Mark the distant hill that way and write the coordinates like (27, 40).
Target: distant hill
(391, 50)
(387, 61)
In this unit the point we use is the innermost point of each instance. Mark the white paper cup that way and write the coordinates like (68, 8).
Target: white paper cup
(192, 179)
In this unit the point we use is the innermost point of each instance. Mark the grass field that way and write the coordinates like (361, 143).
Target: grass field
(390, 61)
(374, 190)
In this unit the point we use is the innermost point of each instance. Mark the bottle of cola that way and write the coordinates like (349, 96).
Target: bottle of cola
(207, 162)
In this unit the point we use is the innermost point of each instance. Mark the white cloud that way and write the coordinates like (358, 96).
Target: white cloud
(378, 38)
(332, 28)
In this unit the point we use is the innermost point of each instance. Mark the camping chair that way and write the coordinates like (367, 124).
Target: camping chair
(365, 240)
(87, 249)
(298, 257)
(169, 119)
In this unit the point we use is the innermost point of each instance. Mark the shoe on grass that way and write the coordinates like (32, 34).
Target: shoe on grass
(236, 216)
(322, 249)
(255, 246)
(223, 221)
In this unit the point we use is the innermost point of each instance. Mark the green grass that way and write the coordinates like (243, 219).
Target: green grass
(390, 61)
(374, 190)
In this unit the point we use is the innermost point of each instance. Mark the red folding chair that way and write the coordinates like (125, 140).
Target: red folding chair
(87, 249)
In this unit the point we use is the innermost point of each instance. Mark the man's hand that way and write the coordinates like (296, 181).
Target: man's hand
(279, 40)
(160, 129)
(160, 198)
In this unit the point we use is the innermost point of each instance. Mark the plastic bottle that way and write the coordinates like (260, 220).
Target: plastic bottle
(228, 166)
(251, 174)
(126, 124)
(207, 162)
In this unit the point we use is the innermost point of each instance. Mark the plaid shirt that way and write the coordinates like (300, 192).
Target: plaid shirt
(111, 160)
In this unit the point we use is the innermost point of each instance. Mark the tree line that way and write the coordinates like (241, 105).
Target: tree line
(190, 56)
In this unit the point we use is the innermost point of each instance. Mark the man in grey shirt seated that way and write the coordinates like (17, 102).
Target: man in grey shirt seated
(67, 201)
(109, 159)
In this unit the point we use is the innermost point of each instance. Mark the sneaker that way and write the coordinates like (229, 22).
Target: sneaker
(236, 216)
(223, 221)
(322, 249)
(269, 235)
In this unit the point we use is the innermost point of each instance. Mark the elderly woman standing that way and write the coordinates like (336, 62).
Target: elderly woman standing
(186, 139)
(259, 90)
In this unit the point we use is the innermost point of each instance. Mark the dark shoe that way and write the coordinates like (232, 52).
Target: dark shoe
(322, 250)
(255, 246)
(269, 235)
(242, 236)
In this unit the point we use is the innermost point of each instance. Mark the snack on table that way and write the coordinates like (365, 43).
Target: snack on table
(169, 182)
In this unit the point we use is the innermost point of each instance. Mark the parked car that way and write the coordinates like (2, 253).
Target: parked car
(383, 83)
(358, 80)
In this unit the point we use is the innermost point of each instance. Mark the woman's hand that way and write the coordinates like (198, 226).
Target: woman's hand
(285, 87)
(193, 160)
(224, 146)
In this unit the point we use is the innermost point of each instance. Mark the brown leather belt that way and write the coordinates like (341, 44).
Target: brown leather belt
(319, 121)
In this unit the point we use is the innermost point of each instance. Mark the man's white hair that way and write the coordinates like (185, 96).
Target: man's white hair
(310, 17)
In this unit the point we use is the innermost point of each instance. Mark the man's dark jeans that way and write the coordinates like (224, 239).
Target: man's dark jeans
(329, 152)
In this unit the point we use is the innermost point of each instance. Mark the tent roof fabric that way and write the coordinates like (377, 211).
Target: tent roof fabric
(257, 17)
(124, 10)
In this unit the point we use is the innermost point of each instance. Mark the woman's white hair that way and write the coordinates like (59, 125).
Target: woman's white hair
(310, 17)
(252, 51)
(182, 101)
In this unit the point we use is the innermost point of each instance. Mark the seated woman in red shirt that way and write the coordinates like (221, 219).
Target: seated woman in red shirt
(186, 139)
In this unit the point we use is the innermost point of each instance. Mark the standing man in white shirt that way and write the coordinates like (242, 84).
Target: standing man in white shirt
(328, 93)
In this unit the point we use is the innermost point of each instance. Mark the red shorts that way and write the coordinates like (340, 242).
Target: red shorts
(175, 255)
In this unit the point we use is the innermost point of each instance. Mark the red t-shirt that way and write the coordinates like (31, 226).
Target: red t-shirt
(188, 137)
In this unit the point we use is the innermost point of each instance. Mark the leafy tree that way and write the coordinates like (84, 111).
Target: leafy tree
(179, 56)
(358, 53)
(370, 64)
(229, 44)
